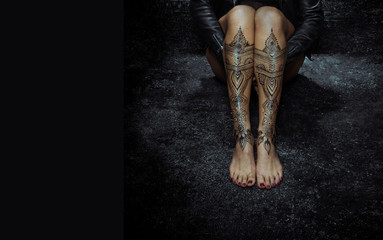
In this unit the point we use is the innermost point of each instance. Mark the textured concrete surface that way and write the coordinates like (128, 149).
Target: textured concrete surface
(178, 137)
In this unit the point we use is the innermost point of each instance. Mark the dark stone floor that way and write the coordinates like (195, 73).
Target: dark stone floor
(179, 145)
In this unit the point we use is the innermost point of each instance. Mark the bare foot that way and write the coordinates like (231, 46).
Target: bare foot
(269, 169)
(242, 167)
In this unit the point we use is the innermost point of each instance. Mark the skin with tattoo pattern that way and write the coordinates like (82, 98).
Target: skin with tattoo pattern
(269, 69)
(239, 69)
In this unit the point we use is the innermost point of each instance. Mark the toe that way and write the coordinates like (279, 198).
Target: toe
(240, 181)
(280, 175)
(244, 181)
(267, 182)
(235, 178)
(250, 180)
(232, 176)
(276, 179)
(260, 181)
(272, 181)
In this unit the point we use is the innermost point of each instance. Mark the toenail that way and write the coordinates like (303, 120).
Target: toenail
(268, 186)
(243, 184)
(262, 185)
(273, 184)
(250, 182)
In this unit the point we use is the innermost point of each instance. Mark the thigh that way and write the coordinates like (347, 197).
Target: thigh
(223, 23)
(292, 69)
(216, 67)
(290, 29)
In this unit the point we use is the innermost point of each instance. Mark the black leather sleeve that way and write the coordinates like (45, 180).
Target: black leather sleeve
(311, 13)
(208, 26)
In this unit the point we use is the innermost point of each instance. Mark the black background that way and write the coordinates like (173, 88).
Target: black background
(63, 120)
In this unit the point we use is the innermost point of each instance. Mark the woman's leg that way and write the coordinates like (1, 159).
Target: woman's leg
(238, 53)
(291, 69)
(272, 29)
(242, 160)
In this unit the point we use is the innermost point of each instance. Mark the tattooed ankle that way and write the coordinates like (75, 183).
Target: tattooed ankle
(243, 136)
(267, 138)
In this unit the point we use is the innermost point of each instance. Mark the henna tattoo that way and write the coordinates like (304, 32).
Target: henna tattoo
(261, 137)
(243, 136)
(269, 73)
(239, 61)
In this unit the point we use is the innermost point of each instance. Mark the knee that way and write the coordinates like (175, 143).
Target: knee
(241, 13)
(269, 15)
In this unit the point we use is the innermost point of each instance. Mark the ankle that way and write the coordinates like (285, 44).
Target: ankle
(266, 138)
(244, 138)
